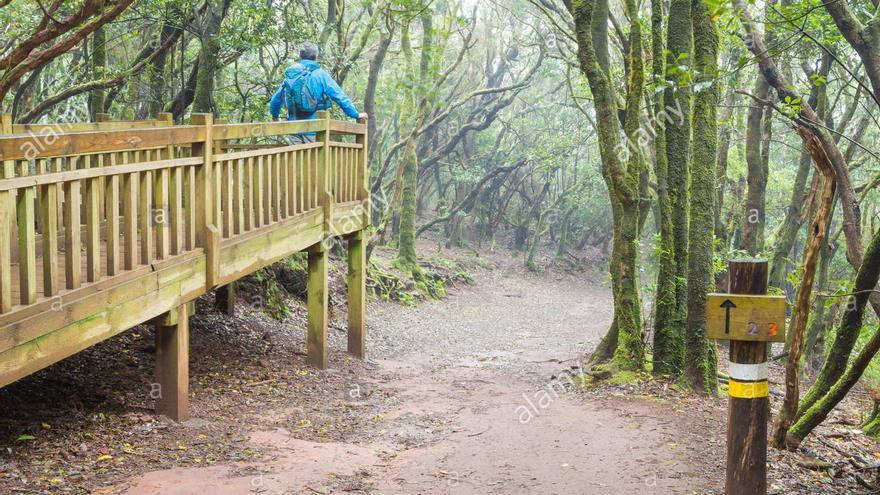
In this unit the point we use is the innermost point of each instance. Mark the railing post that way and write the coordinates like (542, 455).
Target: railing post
(8, 165)
(207, 235)
(364, 172)
(103, 117)
(204, 193)
(325, 197)
(363, 165)
(7, 225)
(167, 120)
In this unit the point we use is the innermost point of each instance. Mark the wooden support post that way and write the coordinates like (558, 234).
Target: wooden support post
(224, 299)
(172, 364)
(316, 341)
(103, 117)
(748, 405)
(357, 277)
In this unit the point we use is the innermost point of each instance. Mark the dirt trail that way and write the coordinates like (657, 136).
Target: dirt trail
(454, 391)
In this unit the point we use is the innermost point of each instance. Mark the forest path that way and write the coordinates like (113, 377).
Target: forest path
(455, 389)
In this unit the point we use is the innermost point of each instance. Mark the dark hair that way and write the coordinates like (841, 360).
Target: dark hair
(308, 51)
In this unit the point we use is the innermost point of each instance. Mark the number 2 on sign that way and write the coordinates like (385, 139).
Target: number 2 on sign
(773, 329)
(753, 328)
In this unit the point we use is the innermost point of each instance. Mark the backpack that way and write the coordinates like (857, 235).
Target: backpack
(297, 95)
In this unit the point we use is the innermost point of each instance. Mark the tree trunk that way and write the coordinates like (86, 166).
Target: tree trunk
(680, 45)
(407, 258)
(755, 215)
(872, 425)
(724, 136)
(99, 62)
(156, 96)
(699, 354)
(668, 355)
(370, 93)
(812, 346)
(621, 167)
(215, 11)
(791, 223)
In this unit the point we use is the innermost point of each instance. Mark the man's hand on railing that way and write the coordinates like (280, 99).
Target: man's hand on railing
(362, 116)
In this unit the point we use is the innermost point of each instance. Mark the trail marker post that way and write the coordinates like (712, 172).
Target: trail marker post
(748, 318)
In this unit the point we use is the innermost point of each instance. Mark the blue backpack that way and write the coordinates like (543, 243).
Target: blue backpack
(297, 95)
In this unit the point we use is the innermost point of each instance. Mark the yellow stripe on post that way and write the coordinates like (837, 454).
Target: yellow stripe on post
(748, 390)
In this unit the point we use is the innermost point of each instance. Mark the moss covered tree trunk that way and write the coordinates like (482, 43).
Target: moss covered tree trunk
(668, 349)
(871, 426)
(680, 46)
(605, 349)
(699, 354)
(621, 164)
(406, 253)
(407, 258)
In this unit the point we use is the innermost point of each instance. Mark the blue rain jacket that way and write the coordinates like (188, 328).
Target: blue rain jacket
(323, 88)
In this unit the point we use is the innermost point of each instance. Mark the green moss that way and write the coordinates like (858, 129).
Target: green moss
(610, 372)
(872, 425)
(625, 377)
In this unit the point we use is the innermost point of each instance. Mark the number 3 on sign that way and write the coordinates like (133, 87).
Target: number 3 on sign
(772, 332)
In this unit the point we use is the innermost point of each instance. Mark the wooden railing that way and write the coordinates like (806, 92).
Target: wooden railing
(87, 212)
(94, 204)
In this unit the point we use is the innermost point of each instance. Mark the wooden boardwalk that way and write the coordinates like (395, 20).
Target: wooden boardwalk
(109, 225)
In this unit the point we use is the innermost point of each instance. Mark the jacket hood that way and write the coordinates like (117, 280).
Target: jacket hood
(300, 66)
(293, 70)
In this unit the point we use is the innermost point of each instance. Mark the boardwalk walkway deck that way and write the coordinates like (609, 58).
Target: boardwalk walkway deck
(112, 224)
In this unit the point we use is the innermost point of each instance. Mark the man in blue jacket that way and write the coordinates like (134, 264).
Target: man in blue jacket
(321, 87)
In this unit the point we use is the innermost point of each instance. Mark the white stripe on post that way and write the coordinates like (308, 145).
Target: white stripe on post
(748, 372)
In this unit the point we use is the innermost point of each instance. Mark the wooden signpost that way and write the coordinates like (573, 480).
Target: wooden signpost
(748, 318)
